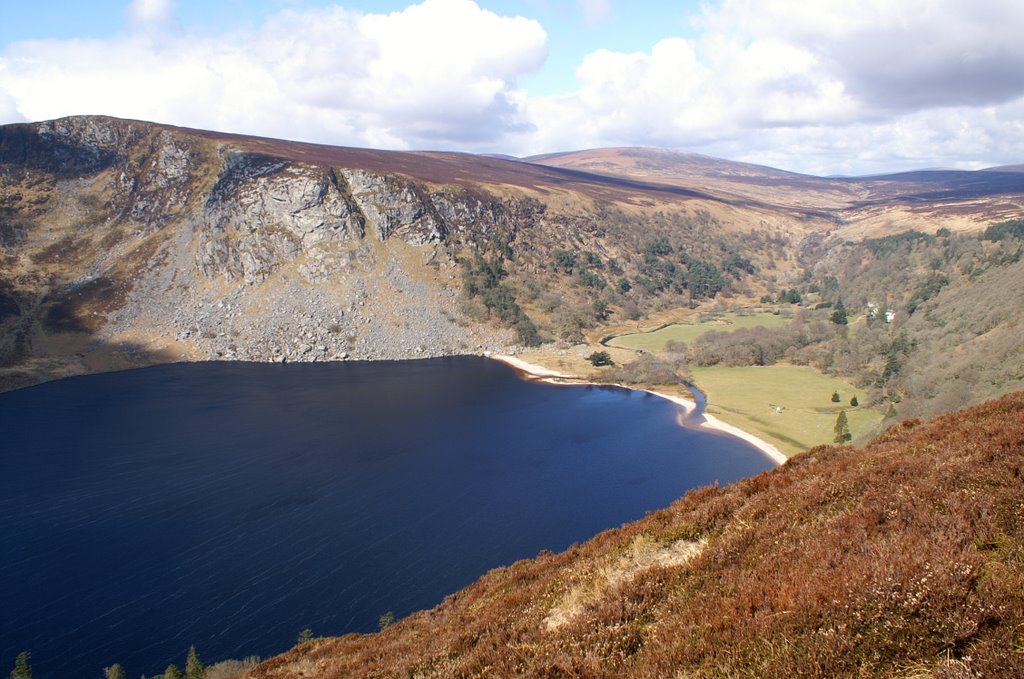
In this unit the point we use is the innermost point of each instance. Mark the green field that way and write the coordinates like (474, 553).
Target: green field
(655, 341)
(744, 397)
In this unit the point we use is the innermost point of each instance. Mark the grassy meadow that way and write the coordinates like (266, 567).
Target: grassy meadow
(656, 340)
(743, 396)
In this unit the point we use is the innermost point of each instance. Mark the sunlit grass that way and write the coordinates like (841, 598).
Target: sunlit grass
(688, 332)
(745, 396)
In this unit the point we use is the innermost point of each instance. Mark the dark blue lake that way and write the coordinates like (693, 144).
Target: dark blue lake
(231, 505)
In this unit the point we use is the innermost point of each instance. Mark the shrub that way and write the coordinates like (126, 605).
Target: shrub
(527, 334)
(658, 247)
(839, 314)
(565, 260)
(229, 669)
(842, 428)
(590, 279)
(1013, 228)
(736, 265)
(22, 669)
(600, 358)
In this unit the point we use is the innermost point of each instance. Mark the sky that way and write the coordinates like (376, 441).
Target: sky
(816, 86)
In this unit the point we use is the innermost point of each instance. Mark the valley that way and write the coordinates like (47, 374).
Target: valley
(128, 244)
(811, 311)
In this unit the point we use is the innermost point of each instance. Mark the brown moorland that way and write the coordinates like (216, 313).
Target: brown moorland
(901, 558)
(859, 206)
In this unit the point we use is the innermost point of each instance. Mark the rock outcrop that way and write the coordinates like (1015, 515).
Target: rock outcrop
(157, 243)
(263, 212)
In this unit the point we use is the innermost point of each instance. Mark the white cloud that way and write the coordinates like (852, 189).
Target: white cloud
(151, 12)
(447, 69)
(442, 73)
(896, 55)
(9, 112)
(825, 86)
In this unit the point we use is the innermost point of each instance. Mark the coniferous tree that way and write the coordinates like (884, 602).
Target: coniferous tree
(22, 670)
(842, 428)
(193, 665)
(115, 671)
(835, 397)
(172, 672)
(839, 314)
(854, 402)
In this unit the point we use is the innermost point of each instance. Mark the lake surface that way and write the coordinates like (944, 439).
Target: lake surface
(232, 505)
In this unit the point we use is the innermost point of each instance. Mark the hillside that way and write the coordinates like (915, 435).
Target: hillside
(901, 558)
(859, 206)
(128, 243)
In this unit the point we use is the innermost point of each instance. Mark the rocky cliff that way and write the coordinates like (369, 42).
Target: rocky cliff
(125, 242)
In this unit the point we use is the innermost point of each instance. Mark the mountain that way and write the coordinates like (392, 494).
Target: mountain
(859, 206)
(127, 243)
(901, 558)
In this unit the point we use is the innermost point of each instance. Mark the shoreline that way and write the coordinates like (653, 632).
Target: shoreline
(710, 421)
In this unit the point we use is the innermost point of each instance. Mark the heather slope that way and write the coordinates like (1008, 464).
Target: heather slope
(901, 558)
(860, 206)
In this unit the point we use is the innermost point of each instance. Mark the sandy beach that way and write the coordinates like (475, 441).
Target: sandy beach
(710, 421)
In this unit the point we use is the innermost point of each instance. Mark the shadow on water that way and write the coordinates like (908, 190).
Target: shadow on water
(84, 356)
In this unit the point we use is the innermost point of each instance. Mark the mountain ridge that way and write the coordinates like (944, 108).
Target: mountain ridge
(127, 243)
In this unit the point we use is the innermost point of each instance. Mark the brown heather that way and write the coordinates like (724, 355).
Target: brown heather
(904, 558)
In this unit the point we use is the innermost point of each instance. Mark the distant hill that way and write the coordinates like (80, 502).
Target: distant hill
(654, 162)
(901, 558)
(859, 206)
(1005, 168)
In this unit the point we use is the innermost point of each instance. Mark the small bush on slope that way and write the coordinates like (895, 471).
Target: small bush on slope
(902, 557)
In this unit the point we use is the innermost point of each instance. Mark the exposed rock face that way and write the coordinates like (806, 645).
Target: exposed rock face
(263, 212)
(75, 145)
(155, 189)
(136, 235)
(394, 206)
